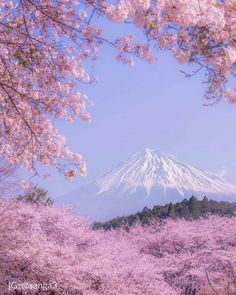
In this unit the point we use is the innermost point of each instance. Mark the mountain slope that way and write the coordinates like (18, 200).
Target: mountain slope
(146, 179)
(156, 169)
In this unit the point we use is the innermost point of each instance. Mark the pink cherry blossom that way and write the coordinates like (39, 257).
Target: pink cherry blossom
(39, 79)
(46, 45)
(24, 184)
(199, 32)
(42, 244)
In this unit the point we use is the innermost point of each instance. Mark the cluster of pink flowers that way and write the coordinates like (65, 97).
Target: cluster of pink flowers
(44, 46)
(200, 32)
(41, 64)
(40, 244)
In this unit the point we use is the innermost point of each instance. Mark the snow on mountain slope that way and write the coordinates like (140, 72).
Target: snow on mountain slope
(156, 169)
(146, 179)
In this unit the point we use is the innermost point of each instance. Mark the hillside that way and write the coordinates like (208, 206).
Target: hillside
(187, 209)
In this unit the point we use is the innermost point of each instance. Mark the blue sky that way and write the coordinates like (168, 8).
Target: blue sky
(151, 106)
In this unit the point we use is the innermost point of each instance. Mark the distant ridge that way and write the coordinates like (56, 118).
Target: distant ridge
(145, 179)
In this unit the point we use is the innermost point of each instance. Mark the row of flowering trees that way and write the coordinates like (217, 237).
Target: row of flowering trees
(45, 44)
(61, 254)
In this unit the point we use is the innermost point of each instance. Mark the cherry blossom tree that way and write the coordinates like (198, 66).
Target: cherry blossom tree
(195, 257)
(45, 246)
(53, 248)
(199, 32)
(9, 179)
(45, 45)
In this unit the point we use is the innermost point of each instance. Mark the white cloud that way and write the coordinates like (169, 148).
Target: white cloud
(222, 172)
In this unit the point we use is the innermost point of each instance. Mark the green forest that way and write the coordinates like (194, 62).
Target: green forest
(187, 209)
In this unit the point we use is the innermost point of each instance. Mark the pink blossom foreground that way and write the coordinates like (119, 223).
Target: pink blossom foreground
(47, 47)
(42, 245)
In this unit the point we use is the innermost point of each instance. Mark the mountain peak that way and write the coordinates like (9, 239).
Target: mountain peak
(149, 178)
(152, 152)
(149, 151)
(153, 169)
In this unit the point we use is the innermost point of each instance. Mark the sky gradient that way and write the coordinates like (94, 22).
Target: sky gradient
(151, 106)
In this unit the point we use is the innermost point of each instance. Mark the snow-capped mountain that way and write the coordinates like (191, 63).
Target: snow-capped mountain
(147, 179)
